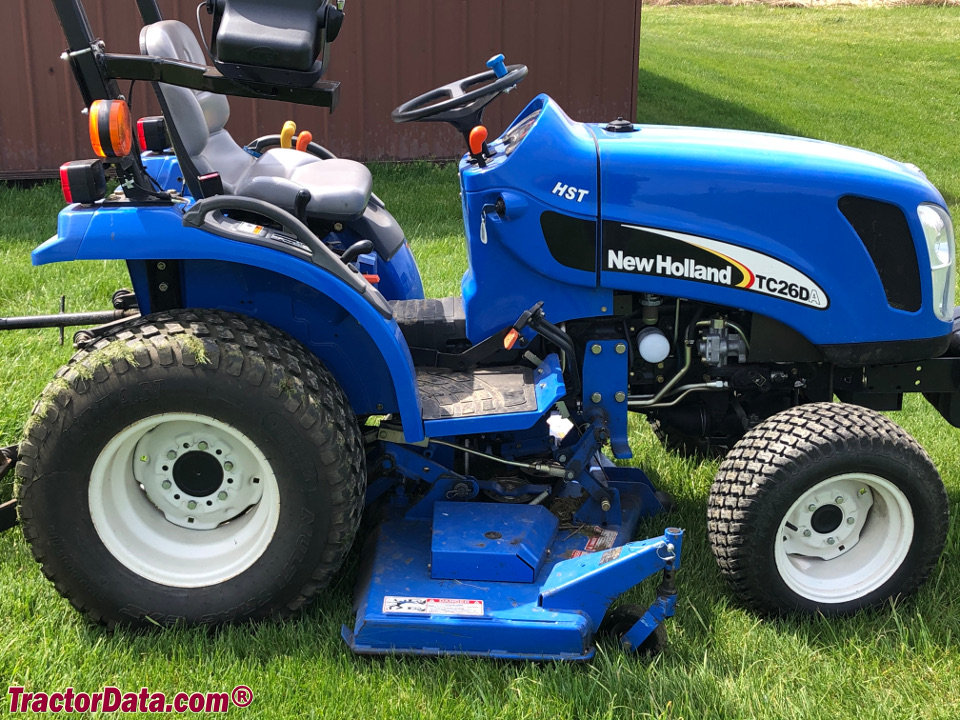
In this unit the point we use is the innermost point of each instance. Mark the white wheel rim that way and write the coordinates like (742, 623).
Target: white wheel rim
(162, 532)
(828, 564)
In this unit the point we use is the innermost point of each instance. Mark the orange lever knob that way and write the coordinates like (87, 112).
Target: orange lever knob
(303, 140)
(478, 136)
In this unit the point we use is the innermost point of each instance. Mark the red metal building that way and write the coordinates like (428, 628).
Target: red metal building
(583, 54)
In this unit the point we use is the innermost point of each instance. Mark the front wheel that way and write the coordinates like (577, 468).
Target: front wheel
(194, 467)
(827, 508)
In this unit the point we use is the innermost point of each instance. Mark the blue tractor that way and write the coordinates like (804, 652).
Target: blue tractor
(276, 372)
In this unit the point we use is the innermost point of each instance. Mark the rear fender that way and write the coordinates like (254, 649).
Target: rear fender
(365, 351)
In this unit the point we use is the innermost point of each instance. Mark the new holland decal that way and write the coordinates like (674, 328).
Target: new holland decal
(662, 253)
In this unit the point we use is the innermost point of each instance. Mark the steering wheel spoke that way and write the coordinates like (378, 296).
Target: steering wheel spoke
(453, 90)
(459, 103)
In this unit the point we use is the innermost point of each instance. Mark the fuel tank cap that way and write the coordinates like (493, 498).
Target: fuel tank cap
(620, 126)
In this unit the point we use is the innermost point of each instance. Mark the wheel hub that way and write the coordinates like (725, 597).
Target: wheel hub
(827, 521)
(198, 474)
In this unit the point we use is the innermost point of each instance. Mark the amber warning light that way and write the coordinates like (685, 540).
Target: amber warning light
(111, 132)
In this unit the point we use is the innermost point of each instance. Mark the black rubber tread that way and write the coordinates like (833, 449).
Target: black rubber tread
(690, 446)
(260, 362)
(783, 457)
(433, 323)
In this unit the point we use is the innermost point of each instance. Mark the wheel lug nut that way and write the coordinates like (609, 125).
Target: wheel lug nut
(171, 454)
(202, 445)
(144, 458)
(830, 541)
(228, 465)
(192, 504)
(851, 521)
(165, 484)
(807, 533)
(811, 507)
(221, 495)
(839, 500)
(863, 491)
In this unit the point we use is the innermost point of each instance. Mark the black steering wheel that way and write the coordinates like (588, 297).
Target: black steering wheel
(460, 103)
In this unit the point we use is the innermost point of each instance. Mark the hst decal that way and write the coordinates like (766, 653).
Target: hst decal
(569, 192)
(663, 253)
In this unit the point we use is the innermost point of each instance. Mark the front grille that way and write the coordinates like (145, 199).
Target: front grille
(884, 231)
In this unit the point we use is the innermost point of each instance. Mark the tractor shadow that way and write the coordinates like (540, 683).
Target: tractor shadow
(662, 101)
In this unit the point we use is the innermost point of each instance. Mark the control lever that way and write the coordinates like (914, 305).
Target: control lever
(300, 203)
(356, 250)
(477, 140)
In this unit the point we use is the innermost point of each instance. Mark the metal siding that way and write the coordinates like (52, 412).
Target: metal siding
(585, 56)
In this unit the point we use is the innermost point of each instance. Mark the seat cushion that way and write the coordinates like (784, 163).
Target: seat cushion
(339, 189)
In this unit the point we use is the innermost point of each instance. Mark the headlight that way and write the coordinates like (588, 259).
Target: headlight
(938, 231)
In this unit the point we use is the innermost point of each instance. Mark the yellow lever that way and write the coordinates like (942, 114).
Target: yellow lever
(286, 135)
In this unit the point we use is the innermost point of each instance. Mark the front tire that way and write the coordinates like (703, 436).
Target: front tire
(194, 467)
(826, 508)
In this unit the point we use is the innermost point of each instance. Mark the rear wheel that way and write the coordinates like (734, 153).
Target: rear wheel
(826, 508)
(194, 467)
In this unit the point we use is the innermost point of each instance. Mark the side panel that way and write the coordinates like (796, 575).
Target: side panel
(543, 247)
(366, 352)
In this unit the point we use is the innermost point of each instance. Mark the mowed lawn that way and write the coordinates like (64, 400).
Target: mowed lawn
(884, 79)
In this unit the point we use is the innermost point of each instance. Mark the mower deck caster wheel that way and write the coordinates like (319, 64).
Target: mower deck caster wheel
(666, 499)
(618, 621)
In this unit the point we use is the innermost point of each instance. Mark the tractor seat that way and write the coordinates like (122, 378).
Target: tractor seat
(339, 189)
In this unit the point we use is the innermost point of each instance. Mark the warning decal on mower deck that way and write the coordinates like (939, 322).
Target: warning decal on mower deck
(663, 253)
(601, 540)
(431, 606)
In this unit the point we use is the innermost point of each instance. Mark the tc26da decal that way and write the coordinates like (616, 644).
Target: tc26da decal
(663, 253)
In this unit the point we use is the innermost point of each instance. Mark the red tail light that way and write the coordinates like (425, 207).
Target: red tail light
(83, 181)
(152, 134)
(65, 183)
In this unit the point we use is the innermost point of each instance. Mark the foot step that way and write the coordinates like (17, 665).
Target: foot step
(492, 391)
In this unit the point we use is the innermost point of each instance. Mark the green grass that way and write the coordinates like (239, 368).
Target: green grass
(884, 79)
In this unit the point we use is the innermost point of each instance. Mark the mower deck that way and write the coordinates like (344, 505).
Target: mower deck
(506, 581)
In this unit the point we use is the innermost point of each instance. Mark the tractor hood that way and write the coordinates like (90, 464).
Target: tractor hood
(664, 172)
(782, 225)
(823, 238)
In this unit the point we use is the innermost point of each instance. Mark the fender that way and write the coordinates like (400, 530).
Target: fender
(292, 294)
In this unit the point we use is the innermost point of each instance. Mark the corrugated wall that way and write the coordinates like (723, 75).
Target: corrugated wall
(583, 54)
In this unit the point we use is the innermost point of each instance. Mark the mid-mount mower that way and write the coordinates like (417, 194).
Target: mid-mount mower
(276, 371)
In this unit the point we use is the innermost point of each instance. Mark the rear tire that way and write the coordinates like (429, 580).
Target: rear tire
(194, 467)
(826, 508)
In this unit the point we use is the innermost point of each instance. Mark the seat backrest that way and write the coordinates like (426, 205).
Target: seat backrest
(198, 117)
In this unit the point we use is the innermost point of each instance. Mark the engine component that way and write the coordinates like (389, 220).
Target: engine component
(653, 345)
(651, 308)
(719, 342)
